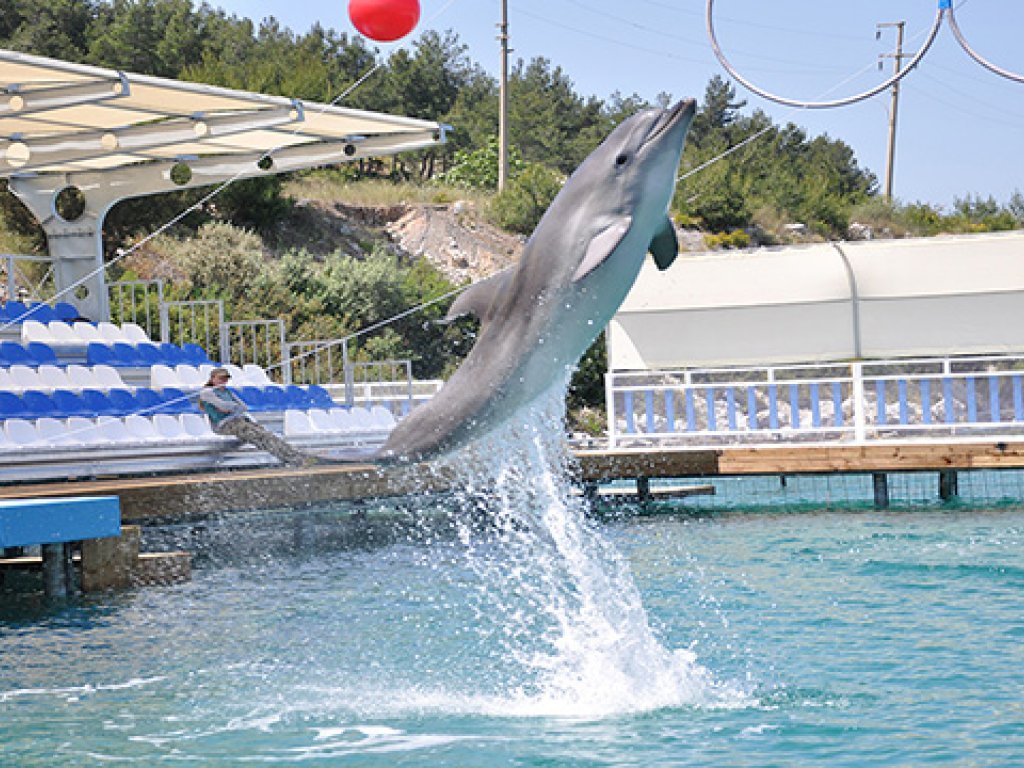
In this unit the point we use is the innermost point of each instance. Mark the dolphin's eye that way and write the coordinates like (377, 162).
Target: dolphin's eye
(622, 160)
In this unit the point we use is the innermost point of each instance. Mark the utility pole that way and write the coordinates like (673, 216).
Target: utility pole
(503, 99)
(897, 58)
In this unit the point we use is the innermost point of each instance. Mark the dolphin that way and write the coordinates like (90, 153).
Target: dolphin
(538, 317)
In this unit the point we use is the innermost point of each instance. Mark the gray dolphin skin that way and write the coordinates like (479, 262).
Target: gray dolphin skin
(537, 318)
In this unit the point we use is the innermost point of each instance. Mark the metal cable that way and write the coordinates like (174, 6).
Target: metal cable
(975, 55)
(818, 104)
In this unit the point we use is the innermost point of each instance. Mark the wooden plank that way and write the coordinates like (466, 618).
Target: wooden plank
(617, 464)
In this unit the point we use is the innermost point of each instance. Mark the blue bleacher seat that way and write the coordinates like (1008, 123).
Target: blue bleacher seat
(175, 401)
(173, 354)
(70, 403)
(127, 356)
(40, 312)
(122, 400)
(276, 398)
(99, 354)
(194, 354)
(11, 406)
(299, 398)
(39, 404)
(41, 354)
(98, 403)
(65, 311)
(147, 401)
(150, 354)
(12, 353)
(321, 397)
(14, 311)
(252, 397)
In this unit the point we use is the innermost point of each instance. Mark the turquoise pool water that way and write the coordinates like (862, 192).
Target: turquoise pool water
(501, 628)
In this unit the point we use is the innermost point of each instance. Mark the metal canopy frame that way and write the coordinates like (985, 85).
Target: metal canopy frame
(114, 135)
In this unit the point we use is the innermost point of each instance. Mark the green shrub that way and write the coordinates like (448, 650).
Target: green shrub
(519, 207)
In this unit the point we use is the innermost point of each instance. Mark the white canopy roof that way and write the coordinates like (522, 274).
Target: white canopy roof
(841, 301)
(58, 117)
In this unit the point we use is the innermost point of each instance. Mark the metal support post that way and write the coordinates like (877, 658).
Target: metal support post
(880, 481)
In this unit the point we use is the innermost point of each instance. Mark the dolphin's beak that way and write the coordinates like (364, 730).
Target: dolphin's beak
(682, 112)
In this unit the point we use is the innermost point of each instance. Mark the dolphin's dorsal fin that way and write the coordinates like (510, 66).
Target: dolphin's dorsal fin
(601, 247)
(479, 297)
(664, 245)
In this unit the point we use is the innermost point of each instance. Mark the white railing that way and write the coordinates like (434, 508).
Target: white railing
(845, 402)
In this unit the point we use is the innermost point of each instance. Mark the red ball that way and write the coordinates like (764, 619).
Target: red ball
(384, 20)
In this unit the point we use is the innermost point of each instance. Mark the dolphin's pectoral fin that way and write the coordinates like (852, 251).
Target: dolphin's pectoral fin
(479, 297)
(664, 245)
(601, 247)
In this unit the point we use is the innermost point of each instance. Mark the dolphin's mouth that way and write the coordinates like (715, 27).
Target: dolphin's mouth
(670, 118)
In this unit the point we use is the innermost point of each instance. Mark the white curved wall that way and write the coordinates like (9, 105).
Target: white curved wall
(875, 299)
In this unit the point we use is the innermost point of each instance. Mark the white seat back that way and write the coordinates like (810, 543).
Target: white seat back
(20, 432)
(189, 376)
(135, 334)
(111, 333)
(140, 428)
(360, 419)
(5, 380)
(256, 376)
(297, 423)
(81, 377)
(52, 377)
(238, 376)
(168, 427)
(382, 417)
(163, 376)
(107, 377)
(23, 377)
(320, 420)
(53, 431)
(33, 330)
(87, 332)
(83, 430)
(112, 429)
(62, 333)
(196, 425)
(341, 420)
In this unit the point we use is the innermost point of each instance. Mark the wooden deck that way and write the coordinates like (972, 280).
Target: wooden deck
(189, 496)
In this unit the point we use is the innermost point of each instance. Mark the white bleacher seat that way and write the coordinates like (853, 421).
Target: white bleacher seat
(107, 377)
(54, 432)
(238, 377)
(320, 420)
(5, 380)
(52, 377)
(382, 418)
(135, 334)
(62, 334)
(297, 423)
(341, 420)
(33, 330)
(85, 431)
(112, 429)
(23, 377)
(140, 428)
(256, 376)
(190, 376)
(170, 428)
(111, 333)
(81, 377)
(87, 332)
(20, 432)
(360, 418)
(196, 425)
(163, 376)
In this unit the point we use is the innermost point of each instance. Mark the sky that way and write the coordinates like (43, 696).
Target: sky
(960, 127)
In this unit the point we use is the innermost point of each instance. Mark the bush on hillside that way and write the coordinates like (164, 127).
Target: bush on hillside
(520, 206)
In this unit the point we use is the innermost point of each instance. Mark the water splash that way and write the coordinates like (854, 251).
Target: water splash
(572, 625)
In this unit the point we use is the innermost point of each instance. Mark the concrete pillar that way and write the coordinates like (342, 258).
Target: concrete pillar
(880, 480)
(57, 576)
(948, 484)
